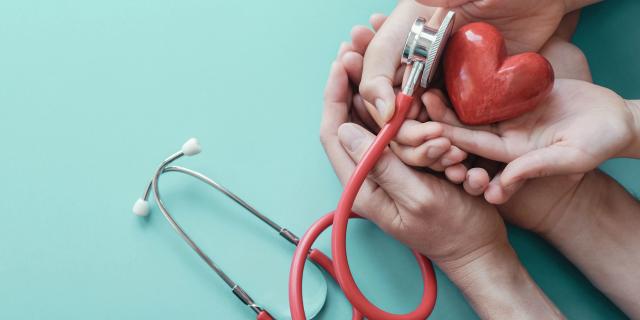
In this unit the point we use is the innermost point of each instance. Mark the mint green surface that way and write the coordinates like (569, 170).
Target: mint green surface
(93, 94)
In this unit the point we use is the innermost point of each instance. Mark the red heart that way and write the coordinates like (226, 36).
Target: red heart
(484, 84)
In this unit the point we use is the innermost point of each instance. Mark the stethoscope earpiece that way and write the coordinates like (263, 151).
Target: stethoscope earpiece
(191, 147)
(141, 208)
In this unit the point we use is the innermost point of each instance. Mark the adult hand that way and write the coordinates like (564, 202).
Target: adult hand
(578, 127)
(525, 24)
(462, 234)
(413, 206)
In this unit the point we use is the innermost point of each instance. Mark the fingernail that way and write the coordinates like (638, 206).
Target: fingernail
(351, 137)
(434, 152)
(472, 183)
(381, 106)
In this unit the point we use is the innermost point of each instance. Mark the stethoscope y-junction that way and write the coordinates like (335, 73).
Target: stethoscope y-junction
(422, 52)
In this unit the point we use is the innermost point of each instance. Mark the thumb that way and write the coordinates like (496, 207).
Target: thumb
(391, 174)
(377, 91)
(549, 161)
(382, 59)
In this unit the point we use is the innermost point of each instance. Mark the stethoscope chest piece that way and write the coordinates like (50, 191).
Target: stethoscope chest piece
(425, 44)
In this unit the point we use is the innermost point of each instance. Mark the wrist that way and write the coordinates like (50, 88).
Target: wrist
(599, 236)
(497, 286)
(593, 202)
(576, 207)
(633, 151)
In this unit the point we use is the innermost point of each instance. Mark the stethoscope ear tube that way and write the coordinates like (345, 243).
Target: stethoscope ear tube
(141, 208)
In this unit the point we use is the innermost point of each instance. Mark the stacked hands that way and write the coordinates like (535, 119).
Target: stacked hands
(535, 171)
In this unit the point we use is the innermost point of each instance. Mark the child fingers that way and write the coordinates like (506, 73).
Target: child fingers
(424, 155)
(436, 105)
(456, 173)
(482, 143)
(453, 156)
(492, 167)
(414, 133)
(498, 194)
(439, 109)
(476, 182)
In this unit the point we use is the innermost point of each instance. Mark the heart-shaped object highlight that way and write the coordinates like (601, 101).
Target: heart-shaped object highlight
(484, 84)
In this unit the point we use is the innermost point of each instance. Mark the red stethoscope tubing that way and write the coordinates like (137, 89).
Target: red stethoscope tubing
(339, 267)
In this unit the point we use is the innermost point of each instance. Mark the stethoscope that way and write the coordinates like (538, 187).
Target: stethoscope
(422, 52)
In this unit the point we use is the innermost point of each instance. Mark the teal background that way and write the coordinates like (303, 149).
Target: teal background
(93, 94)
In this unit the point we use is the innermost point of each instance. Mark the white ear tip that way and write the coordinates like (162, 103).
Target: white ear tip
(191, 147)
(141, 208)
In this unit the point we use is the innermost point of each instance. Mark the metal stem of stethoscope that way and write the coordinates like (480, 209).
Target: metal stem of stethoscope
(141, 208)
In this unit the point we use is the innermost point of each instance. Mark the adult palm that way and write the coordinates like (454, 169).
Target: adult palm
(525, 24)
